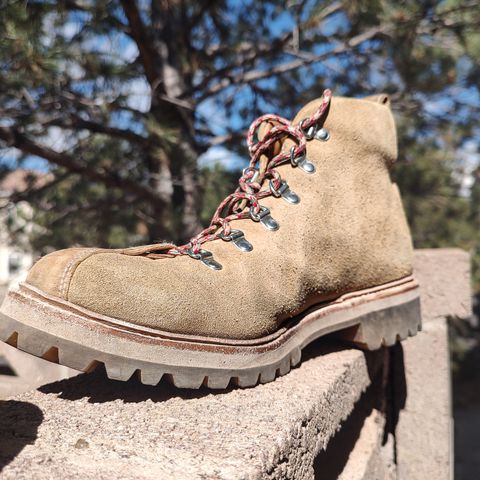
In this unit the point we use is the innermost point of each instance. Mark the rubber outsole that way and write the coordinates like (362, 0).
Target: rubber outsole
(49, 328)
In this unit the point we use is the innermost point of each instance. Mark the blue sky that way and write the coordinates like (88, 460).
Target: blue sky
(138, 92)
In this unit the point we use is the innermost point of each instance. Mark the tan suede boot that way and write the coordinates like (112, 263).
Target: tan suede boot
(314, 241)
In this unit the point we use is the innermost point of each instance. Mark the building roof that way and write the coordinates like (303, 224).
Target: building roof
(21, 179)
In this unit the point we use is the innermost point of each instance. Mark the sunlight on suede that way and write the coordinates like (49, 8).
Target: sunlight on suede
(349, 232)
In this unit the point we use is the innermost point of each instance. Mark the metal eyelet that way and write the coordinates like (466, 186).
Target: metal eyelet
(284, 192)
(238, 239)
(301, 162)
(206, 258)
(264, 217)
(322, 134)
(310, 131)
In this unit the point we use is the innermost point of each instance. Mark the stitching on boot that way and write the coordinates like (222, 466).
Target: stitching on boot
(83, 255)
(69, 269)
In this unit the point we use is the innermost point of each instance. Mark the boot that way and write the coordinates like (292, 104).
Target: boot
(313, 241)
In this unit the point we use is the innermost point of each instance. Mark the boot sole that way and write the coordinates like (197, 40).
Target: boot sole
(50, 328)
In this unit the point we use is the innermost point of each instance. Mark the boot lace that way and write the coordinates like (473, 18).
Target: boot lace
(249, 191)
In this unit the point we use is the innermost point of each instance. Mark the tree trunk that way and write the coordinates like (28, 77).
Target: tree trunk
(162, 226)
(176, 168)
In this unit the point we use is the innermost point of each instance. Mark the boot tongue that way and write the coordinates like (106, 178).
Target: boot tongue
(275, 149)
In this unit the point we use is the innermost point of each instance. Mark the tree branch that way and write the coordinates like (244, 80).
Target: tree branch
(90, 103)
(197, 15)
(78, 123)
(249, 48)
(14, 138)
(307, 59)
(246, 54)
(139, 34)
(329, 10)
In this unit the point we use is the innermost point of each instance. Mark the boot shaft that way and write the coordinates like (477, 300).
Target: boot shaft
(349, 229)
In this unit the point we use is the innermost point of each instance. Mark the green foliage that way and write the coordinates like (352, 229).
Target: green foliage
(215, 183)
(475, 222)
(438, 215)
(59, 217)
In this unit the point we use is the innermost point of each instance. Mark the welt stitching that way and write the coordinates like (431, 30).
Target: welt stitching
(75, 260)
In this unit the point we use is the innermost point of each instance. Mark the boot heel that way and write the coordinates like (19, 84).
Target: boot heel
(384, 327)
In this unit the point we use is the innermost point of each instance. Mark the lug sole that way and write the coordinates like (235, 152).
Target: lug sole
(50, 328)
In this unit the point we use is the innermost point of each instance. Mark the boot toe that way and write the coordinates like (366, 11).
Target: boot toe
(53, 272)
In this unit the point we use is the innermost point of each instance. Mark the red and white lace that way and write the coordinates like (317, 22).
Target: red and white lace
(249, 191)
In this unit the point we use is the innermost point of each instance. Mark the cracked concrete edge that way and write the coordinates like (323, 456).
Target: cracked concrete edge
(422, 441)
(313, 434)
(424, 430)
(362, 448)
(369, 459)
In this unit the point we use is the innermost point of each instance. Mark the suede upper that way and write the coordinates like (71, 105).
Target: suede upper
(347, 233)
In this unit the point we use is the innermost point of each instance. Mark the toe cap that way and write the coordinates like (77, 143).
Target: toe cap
(53, 272)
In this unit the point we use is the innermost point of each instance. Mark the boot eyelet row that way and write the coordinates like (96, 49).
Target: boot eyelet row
(301, 162)
(284, 192)
(263, 216)
(313, 132)
(206, 258)
(237, 237)
(260, 213)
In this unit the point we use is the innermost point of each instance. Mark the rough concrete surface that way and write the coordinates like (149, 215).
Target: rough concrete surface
(367, 459)
(424, 431)
(361, 449)
(341, 414)
(94, 428)
(444, 276)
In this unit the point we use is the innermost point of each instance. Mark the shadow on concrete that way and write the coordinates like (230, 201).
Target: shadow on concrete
(387, 394)
(465, 354)
(19, 422)
(330, 463)
(99, 389)
(331, 344)
(396, 390)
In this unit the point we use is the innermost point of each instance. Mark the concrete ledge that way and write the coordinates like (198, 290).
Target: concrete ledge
(444, 276)
(425, 426)
(342, 414)
(93, 428)
(424, 429)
